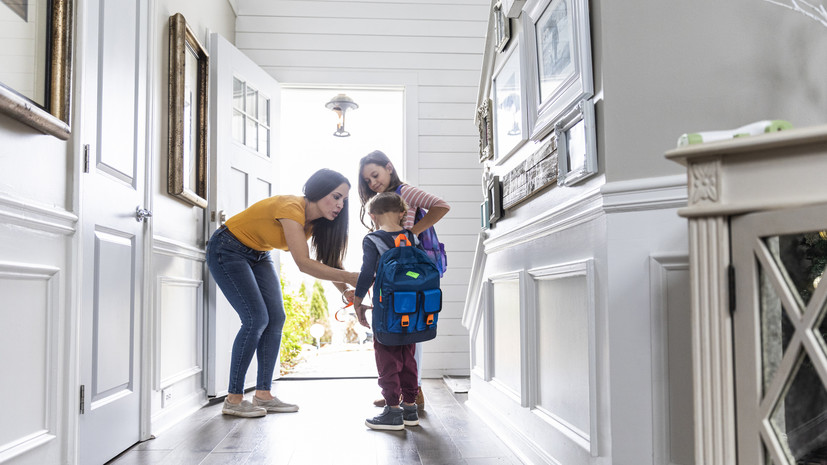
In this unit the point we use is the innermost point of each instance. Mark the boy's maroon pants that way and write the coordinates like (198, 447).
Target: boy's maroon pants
(397, 372)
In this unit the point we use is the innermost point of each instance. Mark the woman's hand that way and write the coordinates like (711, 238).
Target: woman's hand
(348, 295)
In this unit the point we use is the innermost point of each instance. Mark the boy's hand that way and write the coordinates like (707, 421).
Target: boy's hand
(360, 314)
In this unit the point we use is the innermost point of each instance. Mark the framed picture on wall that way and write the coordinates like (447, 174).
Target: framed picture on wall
(486, 128)
(494, 200)
(502, 27)
(188, 92)
(36, 69)
(510, 118)
(561, 63)
(576, 144)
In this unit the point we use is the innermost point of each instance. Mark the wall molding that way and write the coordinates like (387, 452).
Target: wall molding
(166, 246)
(586, 270)
(660, 266)
(36, 216)
(160, 383)
(578, 211)
(51, 277)
(473, 298)
(645, 194)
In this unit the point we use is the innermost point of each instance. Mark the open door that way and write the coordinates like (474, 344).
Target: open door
(244, 121)
(113, 226)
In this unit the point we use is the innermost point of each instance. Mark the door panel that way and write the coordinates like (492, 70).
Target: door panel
(244, 117)
(113, 325)
(112, 124)
(780, 351)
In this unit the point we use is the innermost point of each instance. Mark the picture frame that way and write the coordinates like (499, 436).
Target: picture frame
(486, 128)
(532, 175)
(485, 222)
(561, 63)
(502, 27)
(494, 200)
(39, 97)
(510, 118)
(576, 144)
(188, 110)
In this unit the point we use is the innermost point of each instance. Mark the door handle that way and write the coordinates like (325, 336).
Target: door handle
(141, 214)
(221, 217)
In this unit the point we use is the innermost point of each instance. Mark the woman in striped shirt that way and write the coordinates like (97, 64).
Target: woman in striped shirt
(377, 174)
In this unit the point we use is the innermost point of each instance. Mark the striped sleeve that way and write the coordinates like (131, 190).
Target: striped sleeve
(417, 198)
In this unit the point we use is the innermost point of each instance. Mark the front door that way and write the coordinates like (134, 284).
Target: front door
(112, 129)
(244, 121)
(780, 334)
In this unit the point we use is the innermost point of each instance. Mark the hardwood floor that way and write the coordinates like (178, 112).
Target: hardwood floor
(329, 429)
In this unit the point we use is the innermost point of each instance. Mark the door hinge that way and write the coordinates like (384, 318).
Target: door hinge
(731, 285)
(85, 158)
(82, 399)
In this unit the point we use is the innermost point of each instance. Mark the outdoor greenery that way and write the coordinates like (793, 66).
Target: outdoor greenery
(302, 312)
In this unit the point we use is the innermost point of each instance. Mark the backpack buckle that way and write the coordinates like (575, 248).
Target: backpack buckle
(405, 321)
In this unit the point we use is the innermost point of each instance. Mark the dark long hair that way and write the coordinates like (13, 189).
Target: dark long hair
(376, 157)
(329, 238)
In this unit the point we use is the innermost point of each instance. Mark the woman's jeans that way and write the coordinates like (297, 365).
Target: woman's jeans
(249, 281)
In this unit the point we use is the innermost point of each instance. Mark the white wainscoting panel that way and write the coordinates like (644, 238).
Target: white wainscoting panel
(506, 329)
(29, 343)
(672, 398)
(180, 302)
(563, 365)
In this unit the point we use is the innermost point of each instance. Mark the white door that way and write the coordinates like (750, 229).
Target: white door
(244, 121)
(112, 125)
(780, 334)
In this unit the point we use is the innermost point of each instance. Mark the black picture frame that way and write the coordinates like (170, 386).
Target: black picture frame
(495, 200)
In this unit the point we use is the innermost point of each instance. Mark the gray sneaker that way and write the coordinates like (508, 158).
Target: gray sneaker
(243, 409)
(389, 419)
(275, 405)
(409, 415)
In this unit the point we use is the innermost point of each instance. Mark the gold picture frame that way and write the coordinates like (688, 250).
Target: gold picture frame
(188, 113)
(50, 113)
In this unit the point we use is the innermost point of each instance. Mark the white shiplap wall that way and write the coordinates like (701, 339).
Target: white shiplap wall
(434, 49)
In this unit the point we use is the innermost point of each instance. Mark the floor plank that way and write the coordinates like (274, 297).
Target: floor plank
(328, 429)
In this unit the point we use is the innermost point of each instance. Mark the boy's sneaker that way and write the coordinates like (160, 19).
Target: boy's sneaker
(275, 405)
(243, 409)
(409, 415)
(389, 419)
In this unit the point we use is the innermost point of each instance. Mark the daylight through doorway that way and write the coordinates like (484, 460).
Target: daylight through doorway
(307, 143)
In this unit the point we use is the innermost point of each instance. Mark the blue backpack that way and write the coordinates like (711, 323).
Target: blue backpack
(406, 294)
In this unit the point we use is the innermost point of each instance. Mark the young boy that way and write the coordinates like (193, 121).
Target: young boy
(396, 364)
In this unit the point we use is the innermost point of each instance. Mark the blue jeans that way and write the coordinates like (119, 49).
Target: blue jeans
(250, 282)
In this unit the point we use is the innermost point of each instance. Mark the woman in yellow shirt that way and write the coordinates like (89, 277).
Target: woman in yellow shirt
(238, 256)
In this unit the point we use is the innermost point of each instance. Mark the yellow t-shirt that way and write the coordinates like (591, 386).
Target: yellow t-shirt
(257, 226)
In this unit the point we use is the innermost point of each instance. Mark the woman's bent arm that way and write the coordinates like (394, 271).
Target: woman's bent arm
(299, 250)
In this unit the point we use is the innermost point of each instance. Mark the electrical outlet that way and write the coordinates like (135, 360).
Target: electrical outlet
(167, 397)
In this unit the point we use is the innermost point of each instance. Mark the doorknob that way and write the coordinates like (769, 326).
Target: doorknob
(141, 214)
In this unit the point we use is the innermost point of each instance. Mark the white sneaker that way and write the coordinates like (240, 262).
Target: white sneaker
(243, 409)
(275, 405)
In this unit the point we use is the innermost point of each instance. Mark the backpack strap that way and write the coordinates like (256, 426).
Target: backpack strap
(381, 247)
